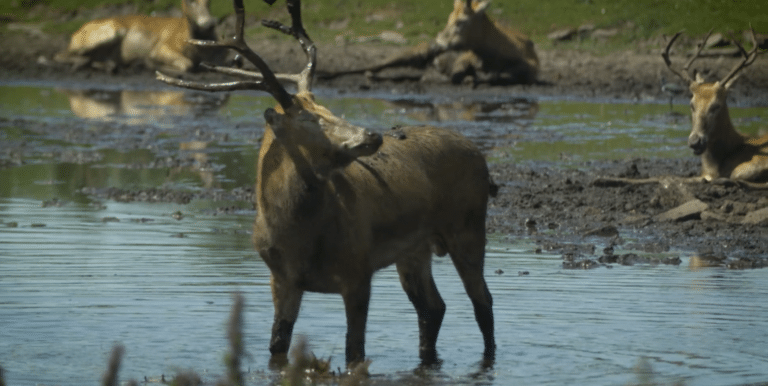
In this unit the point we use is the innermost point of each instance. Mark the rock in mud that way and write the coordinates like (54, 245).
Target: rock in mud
(605, 231)
(757, 217)
(689, 211)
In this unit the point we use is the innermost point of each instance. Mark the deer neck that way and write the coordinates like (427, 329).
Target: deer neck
(724, 139)
(285, 177)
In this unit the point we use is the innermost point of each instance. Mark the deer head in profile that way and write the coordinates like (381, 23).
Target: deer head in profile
(724, 151)
(337, 202)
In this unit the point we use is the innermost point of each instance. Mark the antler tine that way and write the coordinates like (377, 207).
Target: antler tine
(698, 51)
(749, 57)
(268, 81)
(665, 54)
(297, 30)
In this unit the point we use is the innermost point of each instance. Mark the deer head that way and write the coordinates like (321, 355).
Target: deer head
(465, 19)
(199, 16)
(316, 139)
(710, 120)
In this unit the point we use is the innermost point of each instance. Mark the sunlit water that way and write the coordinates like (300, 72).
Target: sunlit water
(77, 278)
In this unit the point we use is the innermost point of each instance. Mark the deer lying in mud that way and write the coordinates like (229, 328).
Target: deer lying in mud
(157, 42)
(337, 202)
(469, 44)
(725, 153)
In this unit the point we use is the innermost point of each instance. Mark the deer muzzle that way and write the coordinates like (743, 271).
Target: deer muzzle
(698, 143)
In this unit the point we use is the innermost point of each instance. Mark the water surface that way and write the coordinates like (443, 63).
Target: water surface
(78, 275)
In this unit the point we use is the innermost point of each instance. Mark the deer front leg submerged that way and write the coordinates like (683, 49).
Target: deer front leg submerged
(356, 300)
(287, 301)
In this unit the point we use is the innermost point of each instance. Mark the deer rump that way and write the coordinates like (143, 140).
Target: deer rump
(424, 191)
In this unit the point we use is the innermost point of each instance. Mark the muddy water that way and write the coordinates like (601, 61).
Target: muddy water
(78, 275)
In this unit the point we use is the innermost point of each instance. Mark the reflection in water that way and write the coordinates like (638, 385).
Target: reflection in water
(499, 112)
(136, 107)
(201, 165)
(133, 107)
(699, 262)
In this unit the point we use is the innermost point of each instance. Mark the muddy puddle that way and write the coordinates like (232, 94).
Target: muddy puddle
(82, 269)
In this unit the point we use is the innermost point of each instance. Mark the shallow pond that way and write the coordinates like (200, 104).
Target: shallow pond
(78, 275)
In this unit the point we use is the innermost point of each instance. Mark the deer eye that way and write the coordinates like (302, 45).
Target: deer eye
(714, 108)
(693, 108)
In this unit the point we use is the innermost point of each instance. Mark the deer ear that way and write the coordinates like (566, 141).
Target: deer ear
(697, 77)
(482, 6)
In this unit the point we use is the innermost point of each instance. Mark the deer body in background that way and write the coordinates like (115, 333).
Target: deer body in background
(484, 45)
(725, 152)
(157, 42)
(337, 202)
(470, 44)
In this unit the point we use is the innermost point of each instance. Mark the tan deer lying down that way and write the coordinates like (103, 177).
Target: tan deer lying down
(725, 153)
(157, 42)
(337, 202)
(470, 44)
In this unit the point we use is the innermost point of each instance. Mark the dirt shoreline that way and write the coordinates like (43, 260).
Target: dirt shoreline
(562, 211)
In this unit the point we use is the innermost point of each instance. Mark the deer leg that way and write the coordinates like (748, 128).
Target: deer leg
(465, 65)
(419, 285)
(171, 60)
(287, 301)
(468, 258)
(356, 299)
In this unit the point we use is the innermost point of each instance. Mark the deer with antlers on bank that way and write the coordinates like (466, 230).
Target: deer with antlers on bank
(337, 202)
(470, 44)
(157, 42)
(724, 151)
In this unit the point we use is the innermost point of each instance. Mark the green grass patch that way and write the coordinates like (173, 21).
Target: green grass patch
(420, 20)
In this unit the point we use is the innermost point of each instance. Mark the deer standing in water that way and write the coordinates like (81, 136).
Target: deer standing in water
(337, 202)
(158, 42)
(725, 152)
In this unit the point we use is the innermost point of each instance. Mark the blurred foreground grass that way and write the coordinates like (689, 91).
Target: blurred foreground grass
(420, 20)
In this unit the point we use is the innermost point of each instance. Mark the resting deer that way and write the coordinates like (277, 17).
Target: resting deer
(337, 202)
(725, 153)
(470, 43)
(158, 42)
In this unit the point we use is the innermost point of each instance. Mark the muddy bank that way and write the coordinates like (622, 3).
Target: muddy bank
(561, 209)
(631, 74)
(565, 211)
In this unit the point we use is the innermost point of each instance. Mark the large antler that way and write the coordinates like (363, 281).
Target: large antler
(749, 57)
(684, 75)
(265, 79)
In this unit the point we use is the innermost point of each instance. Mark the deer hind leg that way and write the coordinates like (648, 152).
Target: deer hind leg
(416, 277)
(171, 60)
(287, 301)
(755, 170)
(356, 299)
(468, 254)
